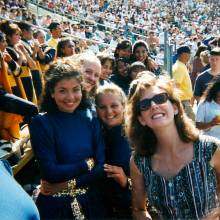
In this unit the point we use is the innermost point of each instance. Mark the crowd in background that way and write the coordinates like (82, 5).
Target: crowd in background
(81, 73)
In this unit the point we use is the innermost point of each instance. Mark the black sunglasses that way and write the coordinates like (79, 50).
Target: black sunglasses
(145, 104)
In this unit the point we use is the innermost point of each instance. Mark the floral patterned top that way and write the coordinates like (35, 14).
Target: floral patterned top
(192, 193)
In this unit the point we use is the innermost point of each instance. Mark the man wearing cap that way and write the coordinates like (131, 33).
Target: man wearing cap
(56, 32)
(205, 77)
(182, 78)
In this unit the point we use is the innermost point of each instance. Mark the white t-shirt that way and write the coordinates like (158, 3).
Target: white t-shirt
(206, 111)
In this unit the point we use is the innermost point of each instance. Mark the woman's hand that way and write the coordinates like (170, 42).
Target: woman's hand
(117, 173)
(152, 64)
(216, 121)
(47, 188)
(20, 47)
(7, 56)
(35, 47)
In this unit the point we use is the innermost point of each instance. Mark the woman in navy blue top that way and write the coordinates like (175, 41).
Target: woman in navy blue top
(69, 148)
(110, 103)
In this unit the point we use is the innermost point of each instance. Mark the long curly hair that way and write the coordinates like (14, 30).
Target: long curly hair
(142, 138)
(59, 70)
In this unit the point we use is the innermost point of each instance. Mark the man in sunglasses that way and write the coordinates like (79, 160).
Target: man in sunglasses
(182, 78)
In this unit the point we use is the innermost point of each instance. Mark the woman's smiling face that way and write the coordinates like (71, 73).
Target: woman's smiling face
(157, 115)
(67, 95)
(91, 73)
(140, 53)
(110, 109)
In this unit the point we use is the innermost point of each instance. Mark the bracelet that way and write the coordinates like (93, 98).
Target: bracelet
(90, 164)
(129, 183)
(71, 185)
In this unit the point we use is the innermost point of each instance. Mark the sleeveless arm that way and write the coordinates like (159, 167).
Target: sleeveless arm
(215, 162)
(138, 193)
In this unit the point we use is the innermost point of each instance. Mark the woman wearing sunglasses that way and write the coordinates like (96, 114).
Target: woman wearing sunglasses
(174, 167)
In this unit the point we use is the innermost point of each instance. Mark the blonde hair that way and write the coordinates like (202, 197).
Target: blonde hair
(88, 57)
(110, 89)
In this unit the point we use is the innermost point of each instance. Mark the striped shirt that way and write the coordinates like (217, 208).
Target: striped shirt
(192, 193)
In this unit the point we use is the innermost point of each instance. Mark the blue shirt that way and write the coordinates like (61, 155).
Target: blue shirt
(202, 82)
(61, 143)
(118, 153)
(15, 203)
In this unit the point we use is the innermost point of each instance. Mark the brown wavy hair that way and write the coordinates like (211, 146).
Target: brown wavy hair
(59, 70)
(9, 28)
(142, 138)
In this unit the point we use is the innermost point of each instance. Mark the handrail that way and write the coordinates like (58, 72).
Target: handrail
(64, 34)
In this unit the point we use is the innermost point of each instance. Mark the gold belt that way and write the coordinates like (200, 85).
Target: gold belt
(75, 206)
(72, 192)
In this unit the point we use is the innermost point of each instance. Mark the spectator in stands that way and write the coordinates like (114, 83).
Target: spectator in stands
(4, 13)
(136, 68)
(123, 49)
(47, 21)
(110, 106)
(30, 48)
(56, 32)
(153, 42)
(208, 111)
(14, 67)
(140, 52)
(204, 78)
(107, 63)
(197, 66)
(204, 56)
(65, 48)
(45, 54)
(20, 55)
(69, 148)
(182, 79)
(120, 75)
(12, 32)
(9, 102)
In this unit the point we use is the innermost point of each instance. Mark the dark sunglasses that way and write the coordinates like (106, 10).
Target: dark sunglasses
(145, 104)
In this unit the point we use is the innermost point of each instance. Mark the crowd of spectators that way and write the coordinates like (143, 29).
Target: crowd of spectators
(116, 45)
(186, 21)
(108, 22)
